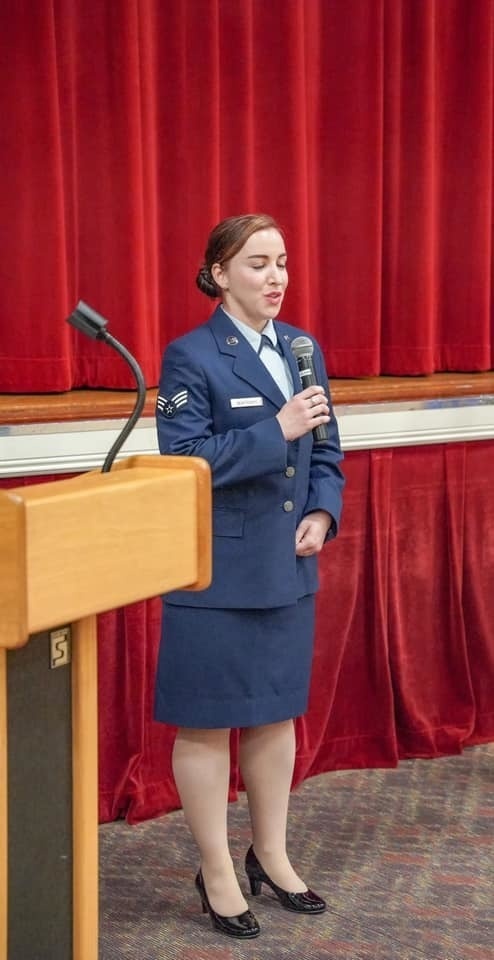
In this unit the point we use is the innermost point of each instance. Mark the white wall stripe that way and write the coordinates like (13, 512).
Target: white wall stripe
(77, 446)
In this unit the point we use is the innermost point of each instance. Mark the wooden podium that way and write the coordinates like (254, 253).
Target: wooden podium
(68, 550)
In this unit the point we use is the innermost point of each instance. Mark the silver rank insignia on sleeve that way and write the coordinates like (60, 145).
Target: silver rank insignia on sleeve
(169, 406)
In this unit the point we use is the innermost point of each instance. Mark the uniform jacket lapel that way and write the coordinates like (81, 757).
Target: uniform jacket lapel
(284, 340)
(246, 364)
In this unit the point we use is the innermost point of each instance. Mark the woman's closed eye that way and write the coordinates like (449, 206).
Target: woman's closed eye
(261, 266)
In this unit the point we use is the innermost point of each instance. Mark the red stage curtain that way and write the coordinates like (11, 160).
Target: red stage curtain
(129, 129)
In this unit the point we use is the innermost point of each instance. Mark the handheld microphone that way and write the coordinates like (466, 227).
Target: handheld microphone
(302, 349)
(93, 325)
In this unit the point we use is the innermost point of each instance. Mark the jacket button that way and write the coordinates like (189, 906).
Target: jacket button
(290, 472)
(288, 506)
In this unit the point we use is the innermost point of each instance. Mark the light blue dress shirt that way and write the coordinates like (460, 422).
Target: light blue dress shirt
(274, 362)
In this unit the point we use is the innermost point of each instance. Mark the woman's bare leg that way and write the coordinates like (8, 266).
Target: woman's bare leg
(267, 757)
(201, 767)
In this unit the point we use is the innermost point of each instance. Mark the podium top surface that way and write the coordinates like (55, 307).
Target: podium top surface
(72, 548)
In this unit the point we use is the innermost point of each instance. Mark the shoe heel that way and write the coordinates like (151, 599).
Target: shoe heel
(201, 891)
(304, 902)
(255, 886)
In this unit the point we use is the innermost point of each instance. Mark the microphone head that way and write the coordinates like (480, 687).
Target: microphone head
(85, 319)
(302, 347)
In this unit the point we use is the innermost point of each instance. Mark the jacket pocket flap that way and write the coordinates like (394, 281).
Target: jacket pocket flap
(228, 523)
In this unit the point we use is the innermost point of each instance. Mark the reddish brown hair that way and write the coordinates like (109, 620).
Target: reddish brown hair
(225, 240)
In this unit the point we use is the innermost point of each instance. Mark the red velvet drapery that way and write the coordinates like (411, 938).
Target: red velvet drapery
(404, 663)
(127, 129)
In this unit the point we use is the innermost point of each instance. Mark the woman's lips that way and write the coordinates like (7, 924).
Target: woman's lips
(274, 297)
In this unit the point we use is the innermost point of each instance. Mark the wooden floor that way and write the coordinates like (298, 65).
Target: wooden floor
(116, 404)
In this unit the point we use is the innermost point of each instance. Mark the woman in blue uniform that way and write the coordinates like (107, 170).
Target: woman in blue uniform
(238, 654)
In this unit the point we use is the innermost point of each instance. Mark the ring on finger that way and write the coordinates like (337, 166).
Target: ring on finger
(314, 400)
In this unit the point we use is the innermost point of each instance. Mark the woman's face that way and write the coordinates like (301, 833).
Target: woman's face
(254, 281)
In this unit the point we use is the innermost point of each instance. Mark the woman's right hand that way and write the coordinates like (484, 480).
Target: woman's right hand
(303, 412)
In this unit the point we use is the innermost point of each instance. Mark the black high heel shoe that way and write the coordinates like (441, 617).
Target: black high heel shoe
(244, 926)
(307, 902)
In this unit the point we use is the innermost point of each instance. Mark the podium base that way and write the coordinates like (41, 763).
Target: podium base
(39, 804)
(48, 796)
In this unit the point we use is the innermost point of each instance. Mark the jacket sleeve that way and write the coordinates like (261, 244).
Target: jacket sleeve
(236, 455)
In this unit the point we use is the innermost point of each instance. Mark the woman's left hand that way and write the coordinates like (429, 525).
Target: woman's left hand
(311, 533)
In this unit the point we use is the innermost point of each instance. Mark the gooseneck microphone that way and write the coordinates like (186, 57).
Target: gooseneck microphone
(93, 325)
(302, 349)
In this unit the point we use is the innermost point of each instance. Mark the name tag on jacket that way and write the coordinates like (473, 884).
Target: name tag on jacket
(246, 402)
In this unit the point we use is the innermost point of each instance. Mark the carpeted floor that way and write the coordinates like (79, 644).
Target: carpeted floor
(405, 858)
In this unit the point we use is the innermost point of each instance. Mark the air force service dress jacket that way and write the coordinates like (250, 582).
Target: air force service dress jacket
(218, 401)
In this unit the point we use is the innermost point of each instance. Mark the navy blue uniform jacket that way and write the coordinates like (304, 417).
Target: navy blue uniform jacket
(218, 401)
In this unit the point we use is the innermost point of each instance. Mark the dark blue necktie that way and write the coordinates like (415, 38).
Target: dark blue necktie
(266, 342)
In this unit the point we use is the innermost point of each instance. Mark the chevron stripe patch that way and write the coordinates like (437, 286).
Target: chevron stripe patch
(169, 406)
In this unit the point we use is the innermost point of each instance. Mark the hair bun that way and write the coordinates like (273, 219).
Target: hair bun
(206, 284)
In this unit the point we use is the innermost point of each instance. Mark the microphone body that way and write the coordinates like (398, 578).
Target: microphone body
(303, 349)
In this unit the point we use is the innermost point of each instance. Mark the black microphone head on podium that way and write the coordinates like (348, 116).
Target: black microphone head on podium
(85, 319)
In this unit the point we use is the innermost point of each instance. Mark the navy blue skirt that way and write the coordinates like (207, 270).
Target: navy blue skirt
(234, 668)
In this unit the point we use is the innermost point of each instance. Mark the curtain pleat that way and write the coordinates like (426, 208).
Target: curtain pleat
(437, 155)
(434, 704)
(478, 593)
(129, 129)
